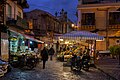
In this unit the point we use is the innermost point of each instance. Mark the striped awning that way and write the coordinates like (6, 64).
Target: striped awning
(82, 35)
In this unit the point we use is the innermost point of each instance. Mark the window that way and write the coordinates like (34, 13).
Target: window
(114, 18)
(35, 23)
(9, 11)
(88, 18)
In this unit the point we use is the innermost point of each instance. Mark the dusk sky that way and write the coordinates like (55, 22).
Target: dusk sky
(52, 6)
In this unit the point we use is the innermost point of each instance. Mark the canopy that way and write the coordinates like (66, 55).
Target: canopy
(82, 35)
(25, 36)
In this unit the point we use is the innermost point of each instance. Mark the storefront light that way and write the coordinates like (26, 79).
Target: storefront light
(61, 39)
(99, 40)
(73, 25)
(23, 41)
(66, 42)
(30, 42)
(46, 45)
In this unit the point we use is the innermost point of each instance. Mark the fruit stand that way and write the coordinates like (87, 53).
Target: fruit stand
(80, 39)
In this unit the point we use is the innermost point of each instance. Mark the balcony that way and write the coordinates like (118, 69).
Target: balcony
(19, 23)
(38, 32)
(115, 27)
(88, 27)
(22, 23)
(11, 22)
(99, 4)
(23, 3)
(49, 28)
(99, 1)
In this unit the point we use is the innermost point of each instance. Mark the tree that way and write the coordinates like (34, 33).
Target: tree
(115, 50)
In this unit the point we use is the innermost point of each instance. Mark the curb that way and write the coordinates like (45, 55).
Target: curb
(107, 74)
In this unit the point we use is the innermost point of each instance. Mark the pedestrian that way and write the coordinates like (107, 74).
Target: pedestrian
(51, 52)
(44, 55)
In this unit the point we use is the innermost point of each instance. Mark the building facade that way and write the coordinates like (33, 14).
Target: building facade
(102, 17)
(44, 25)
(12, 23)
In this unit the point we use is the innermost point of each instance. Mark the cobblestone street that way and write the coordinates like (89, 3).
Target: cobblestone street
(54, 71)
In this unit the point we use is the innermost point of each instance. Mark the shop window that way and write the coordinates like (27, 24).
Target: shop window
(88, 18)
(114, 18)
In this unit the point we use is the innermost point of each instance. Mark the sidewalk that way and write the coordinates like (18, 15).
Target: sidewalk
(110, 67)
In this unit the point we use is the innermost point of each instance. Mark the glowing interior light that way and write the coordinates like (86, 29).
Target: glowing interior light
(30, 42)
(23, 41)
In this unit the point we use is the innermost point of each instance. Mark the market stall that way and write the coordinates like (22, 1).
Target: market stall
(77, 41)
(20, 45)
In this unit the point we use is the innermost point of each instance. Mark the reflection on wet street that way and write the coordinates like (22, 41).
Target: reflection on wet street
(54, 71)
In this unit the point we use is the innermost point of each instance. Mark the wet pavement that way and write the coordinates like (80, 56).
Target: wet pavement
(54, 71)
(110, 67)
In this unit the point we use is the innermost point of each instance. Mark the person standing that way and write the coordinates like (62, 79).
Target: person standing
(44, 55)
(51, 52)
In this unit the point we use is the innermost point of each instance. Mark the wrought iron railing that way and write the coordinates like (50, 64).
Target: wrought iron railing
(88, 27)
(114, 26)
(99, 1)
(19, 23)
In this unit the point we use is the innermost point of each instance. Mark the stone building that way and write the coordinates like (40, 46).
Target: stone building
(65, 21)
(44, 25)
(11, 20)
(102, 17)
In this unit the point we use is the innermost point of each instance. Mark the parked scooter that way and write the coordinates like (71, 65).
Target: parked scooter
(29, 62)
(86, 60)
(76, 63)
(85, 65)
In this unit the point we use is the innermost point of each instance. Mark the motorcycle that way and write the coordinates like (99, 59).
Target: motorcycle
(76, 63)
(30, 63)
(85, 65)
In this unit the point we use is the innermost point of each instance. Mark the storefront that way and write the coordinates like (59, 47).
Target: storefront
(21, 44)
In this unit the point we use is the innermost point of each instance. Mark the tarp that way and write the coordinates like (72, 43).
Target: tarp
(82, 35)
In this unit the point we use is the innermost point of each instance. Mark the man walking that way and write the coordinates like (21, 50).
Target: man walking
(44, 55)
(51, 52)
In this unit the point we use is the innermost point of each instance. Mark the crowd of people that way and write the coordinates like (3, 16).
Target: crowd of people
(48, 53)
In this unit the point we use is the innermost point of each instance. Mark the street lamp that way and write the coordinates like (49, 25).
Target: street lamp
(73, 25)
